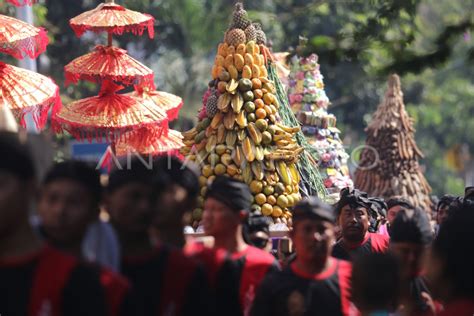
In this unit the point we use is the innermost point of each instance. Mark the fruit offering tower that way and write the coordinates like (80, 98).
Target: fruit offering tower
(239, 133)
(389, 163)
(309, 103)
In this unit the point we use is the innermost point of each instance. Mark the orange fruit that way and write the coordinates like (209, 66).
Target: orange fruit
(260, 113)
(271, 200)
(256, 83)
(258, 94)
(259, 103)
(277, 211)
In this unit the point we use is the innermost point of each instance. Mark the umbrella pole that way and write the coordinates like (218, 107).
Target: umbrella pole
(109, 39)
(112, 147)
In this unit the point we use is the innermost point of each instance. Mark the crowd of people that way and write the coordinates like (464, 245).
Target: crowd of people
(361, 256)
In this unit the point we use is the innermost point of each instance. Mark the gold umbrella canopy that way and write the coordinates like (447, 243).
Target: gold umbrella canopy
(114, 19)
(24, 91)
(156, 143)
(109, 115)
(109, 63)
(20, 39)
(166, 101)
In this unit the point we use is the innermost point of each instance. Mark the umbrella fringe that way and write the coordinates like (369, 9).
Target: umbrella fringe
(31, 46)
(40, 112)
(21, 3)
(173, 113)
(147, 81)
(135, 29)
(82, 132)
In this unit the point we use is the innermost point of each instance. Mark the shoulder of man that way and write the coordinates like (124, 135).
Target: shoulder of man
(379, 243)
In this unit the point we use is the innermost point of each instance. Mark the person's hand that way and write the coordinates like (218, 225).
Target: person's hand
(429, 301)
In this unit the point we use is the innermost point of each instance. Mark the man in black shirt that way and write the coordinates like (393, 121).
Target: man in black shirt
(451, 268)
(68, 203)
(176, 190)
(164, 280)
(353, 216)
(410, 237)
(36, 279)
(314, 283)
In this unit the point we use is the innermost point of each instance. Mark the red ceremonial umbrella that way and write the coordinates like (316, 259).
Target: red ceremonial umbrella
(20, 3)
(109, 115)
(18, 38)
(109, 63)
(24, 91)
(168, 102)
(113, 19)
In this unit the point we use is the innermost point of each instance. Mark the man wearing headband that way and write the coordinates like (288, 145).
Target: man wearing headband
(314, 283)
(378, 213)
(226, 207)
(353, 216)
(36, 279)
(410, 238)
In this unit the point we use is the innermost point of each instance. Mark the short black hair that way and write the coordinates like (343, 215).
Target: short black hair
(376, 293)
(398, 201)
(258, 223)
(135, 171)
(16, 157)
(453, 244)
(411, 225)
(170, 169)
(313, 208)
(78, 171)
(445, 200)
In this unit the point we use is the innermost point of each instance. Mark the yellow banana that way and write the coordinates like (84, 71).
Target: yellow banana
(255, 133)
(249, 149)
(257, 170)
